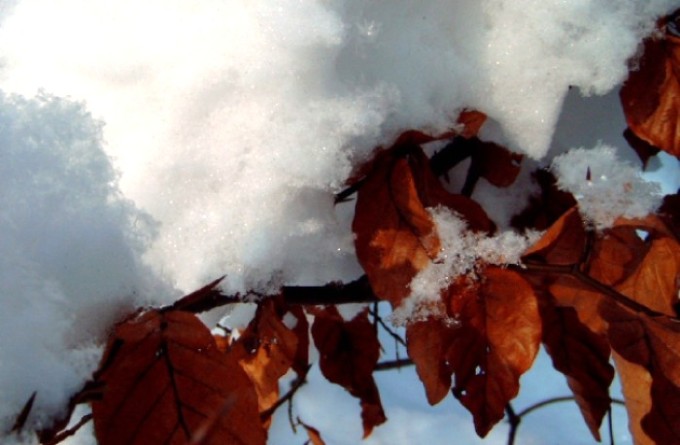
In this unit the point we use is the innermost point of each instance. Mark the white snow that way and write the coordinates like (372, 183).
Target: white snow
(71, 251)
(604, 186)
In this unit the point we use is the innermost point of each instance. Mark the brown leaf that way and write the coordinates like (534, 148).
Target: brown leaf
(349, 351)
(428, 342)
(563, 242)
(495, 163)
(636, 384)
(569, 292)
(164, 378)
(582, 356)
(616, 254)
(648, 360)
(472, 121)
(669, 212)
(301, 331)
(266, 350)
(650, 95)
(494, 342)
(648, 348)
(395, 234)
(545, 208)
(655, 281)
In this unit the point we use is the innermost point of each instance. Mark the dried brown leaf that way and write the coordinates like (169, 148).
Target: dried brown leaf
(395, 234)
(349, 352)
(266, 350)
(651, 94)
(563, 242)
(164, 377)
(494, 341)
(582, 356)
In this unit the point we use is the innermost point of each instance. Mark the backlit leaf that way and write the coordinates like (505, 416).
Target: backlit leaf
(582, 356)
(494, 341)
(349, 351)
(164, 380)
(395, 234)
(651, 94)
(428, 342)
(266, 350)
(562, 243)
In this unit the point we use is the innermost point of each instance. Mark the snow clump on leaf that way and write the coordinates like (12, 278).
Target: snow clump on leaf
(605, 186)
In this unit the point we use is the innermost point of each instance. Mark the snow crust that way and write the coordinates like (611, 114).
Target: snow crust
(228, 125)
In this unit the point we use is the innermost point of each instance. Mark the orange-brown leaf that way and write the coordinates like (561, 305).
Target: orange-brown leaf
(428, 342)
(395, 234)
(636, 386)
(496, 164)
(582, 356)
(472, 121)
(655, 282)
(164, 379)
(497, 341)
(648, 359)
(651, 94)
(563, 242)
(616, 254)
(349, 352)
(266, 350)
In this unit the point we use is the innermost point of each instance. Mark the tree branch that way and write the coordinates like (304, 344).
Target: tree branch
(393, 364)
(297, 384)
(69, 432)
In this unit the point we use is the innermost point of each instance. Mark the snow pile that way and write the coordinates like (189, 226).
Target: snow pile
(604, 186)
(71, 249)
(232, 122)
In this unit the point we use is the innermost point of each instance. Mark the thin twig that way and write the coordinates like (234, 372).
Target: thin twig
(387, 329)
(393, 364)
(515, 418)
(514, 421)
(69, 432)
(297, 384)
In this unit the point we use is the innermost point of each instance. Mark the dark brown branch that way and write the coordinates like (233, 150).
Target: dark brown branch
(387, 329)
(393, 364)
(69, 432)
(358, 291)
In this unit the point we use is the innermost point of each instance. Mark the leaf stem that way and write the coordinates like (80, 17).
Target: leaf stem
(297, 384)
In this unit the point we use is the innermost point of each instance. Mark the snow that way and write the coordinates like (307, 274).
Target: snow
(71, 251)
(463, 253)
(604, 186)
(150, 147)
